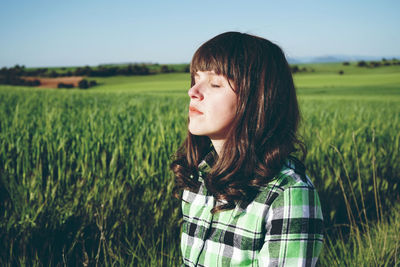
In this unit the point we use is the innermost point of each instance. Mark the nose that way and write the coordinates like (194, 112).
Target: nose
(195, 92)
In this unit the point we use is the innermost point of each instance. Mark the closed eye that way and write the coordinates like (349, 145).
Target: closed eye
(215, 85)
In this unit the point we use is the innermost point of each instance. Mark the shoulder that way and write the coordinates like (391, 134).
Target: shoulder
(292, 175)
(292, 182)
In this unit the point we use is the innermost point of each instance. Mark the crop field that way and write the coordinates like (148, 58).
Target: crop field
(85, 180)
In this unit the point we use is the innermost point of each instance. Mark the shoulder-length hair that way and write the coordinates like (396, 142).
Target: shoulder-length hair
(264, 130)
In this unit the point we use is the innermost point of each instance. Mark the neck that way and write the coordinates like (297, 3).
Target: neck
(218, 144)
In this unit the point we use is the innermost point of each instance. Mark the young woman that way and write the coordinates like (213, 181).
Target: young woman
(246, 199)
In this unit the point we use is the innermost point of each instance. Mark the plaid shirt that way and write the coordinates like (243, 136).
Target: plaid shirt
(282, 226)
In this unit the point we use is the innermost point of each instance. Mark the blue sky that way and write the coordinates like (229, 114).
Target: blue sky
(71, 33)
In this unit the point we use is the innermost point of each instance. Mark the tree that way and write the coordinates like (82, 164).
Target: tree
(53, 74)
(362, 63)
(295, 69)
(36, 82)
(65, 85)
(164, 69)
(375, 64)
(187, 68)
(83, 84)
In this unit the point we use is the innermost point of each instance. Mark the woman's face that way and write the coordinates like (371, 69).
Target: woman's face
(212, 105)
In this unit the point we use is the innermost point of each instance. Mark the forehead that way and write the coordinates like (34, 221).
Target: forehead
(209, 73)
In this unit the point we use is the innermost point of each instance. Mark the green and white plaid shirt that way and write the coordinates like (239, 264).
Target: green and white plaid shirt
(282, 226)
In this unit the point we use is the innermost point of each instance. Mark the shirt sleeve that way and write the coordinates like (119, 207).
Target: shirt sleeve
(293, 225)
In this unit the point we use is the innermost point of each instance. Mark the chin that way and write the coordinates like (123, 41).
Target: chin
(194, 132)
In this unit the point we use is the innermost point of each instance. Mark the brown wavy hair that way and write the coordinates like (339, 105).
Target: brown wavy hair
(264, 131)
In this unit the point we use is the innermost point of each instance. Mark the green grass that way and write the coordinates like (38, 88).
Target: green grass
(84, 175)
(379, 245)
(161, 83)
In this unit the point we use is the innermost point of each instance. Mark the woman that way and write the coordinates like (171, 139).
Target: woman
(246, 199)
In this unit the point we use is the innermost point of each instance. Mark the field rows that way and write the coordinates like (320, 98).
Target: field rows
(85, 175)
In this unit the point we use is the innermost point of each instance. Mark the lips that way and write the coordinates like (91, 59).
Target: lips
(194, 111)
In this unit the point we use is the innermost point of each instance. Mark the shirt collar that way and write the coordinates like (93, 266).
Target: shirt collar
(208, 161)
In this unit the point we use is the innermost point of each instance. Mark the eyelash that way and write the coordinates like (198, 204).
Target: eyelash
(215, 85)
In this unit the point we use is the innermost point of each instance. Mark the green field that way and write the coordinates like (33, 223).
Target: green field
(85, 173)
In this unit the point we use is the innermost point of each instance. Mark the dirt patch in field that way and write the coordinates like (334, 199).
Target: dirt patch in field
(53, 82)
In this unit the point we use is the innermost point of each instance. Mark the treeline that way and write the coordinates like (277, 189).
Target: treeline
(296, 69)
(12, 76)
(15, 80)
(15, 75)
(103, 71)
(375, 64)
(99, 71)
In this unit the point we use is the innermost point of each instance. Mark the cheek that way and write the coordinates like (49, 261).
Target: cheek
(226, 113)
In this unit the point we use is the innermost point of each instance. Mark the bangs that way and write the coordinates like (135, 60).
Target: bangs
(206, 60)
(215, 55)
